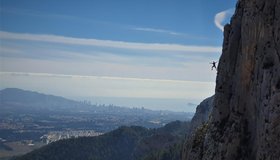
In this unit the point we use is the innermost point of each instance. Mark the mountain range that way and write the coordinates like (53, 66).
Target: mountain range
(127, 143)
(27, 116)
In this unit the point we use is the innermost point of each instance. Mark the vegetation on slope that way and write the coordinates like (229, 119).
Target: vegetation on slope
(125, 143)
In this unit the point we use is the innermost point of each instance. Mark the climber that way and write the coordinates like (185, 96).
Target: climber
(213, 65)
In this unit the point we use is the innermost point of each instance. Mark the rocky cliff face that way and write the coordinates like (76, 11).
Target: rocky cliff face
(245, 121)
(202, 113)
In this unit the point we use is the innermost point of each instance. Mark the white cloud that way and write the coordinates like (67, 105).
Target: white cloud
(154, 69)
(99, 77)
(159, 31)
(221, 17)
(109, 43)
(73, 85)
(5, 49)
(160, 91)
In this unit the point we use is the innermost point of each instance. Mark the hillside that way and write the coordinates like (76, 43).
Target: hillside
(30, 100)
(30, 97)
(132, 143)
(29, 120)
(126, 143)
(244, 122)
(45, 110)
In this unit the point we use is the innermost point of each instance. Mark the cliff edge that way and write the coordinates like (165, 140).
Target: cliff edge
(202, 113)
(245, 120)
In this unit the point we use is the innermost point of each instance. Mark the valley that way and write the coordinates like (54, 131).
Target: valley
(29, 120)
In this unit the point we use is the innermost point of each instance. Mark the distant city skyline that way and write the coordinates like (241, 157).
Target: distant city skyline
(122, 49)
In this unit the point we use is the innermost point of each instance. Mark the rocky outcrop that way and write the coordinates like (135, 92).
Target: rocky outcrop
(198, 125)
(202, 113)
(245, 121)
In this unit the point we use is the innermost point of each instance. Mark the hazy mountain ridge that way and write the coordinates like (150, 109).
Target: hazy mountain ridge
(36, 100)
(25, 120)
(15, 101)
(27, 97)
(131, 143)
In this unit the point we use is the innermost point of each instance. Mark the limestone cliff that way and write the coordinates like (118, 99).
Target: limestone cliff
(245, 121)
(202, 113)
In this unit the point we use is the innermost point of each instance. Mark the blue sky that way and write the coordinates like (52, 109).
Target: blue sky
(126, 49)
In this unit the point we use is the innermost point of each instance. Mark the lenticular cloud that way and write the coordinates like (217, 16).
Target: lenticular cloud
(221, 17)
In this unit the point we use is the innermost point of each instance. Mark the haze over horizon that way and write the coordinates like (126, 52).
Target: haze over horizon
(113, 50)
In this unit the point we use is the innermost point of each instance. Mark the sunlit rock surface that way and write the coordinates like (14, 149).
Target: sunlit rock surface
(245, 121)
